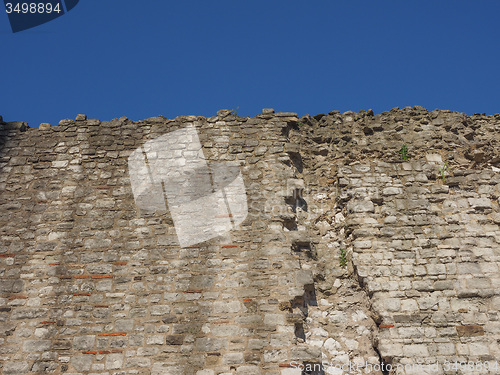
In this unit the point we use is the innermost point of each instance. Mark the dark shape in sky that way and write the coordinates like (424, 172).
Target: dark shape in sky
(70, 4)
(23, 16)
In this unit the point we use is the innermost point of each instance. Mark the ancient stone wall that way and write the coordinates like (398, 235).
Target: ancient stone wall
(349, 256)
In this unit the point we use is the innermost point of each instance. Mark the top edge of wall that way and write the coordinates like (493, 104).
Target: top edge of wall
(267, 113)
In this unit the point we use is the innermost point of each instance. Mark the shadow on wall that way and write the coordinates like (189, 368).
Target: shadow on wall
(8, 130)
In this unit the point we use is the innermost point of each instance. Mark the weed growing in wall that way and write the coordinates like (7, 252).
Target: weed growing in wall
(343, 257)
(404, 152)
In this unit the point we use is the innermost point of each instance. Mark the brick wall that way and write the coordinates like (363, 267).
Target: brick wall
(92, 284)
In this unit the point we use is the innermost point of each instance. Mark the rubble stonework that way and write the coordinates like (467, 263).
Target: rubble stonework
(90, 283)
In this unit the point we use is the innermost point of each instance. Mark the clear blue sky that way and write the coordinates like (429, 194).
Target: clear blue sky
(112, 58)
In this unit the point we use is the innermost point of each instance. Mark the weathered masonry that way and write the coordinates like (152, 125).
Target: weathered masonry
(354, 257)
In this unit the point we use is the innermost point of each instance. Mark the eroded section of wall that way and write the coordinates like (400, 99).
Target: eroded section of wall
(422, 234)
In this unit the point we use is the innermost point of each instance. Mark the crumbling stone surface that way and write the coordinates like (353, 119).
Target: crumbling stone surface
(422, 236)
(349, 256)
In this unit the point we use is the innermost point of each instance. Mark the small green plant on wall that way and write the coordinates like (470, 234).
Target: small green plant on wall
(234, 112)
(343, 257)
(404, 152)
(443, 170)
